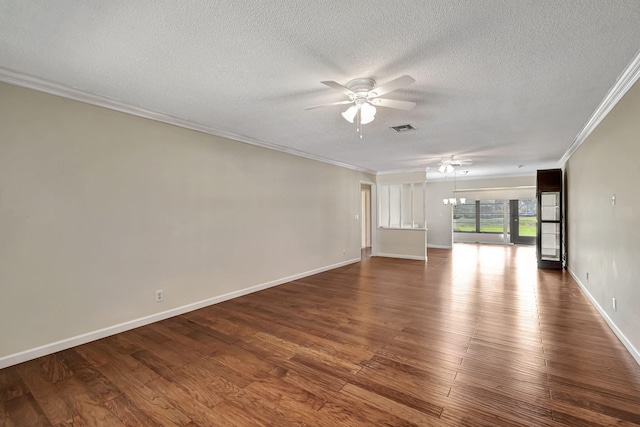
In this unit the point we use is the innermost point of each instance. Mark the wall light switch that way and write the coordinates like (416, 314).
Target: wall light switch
(613, 200)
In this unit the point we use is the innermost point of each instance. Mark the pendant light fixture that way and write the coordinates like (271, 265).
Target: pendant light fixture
(452, 200)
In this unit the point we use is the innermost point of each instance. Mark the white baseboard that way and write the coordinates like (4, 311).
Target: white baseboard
(416, 257)
(634, 352)
(439, 247)
(23, 356)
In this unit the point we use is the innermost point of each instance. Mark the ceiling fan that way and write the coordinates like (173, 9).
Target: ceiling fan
(364, 95)
(448, 165)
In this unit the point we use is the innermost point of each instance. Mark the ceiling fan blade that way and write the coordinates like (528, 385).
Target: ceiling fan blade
(327, 105)
(392, 103)
(391, 86)
(339, 87)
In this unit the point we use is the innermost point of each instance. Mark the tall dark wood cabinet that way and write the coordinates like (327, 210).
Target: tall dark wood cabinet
(550, 215)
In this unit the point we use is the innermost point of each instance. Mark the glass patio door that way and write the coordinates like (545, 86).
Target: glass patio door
(523, 221)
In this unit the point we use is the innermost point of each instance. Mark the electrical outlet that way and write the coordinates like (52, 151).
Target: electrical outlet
(587, 276)
(614, 303)
(159, 295)
(344, 252)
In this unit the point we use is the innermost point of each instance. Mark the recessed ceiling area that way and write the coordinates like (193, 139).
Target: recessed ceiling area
(508, 85)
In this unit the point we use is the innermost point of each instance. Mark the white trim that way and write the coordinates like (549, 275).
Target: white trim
(625, 81)
(402, 183)
(374, 216)
(418, 258)
(398, 228)
(439, 246)
(47, 86)
(23, 356)
(521, 187)
(634, 352)
(472, 177)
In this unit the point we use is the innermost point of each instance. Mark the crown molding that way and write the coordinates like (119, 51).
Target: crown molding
(625, 81)
(42, 85)
(449, 178)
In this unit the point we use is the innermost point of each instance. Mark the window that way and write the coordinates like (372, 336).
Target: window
(481, 216)
(527, 217)
(394, 206)
(492, 216)
(401, 205)
(464, 216)
(383, 200)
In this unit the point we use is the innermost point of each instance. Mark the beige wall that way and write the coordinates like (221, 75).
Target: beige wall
(98, 209)
(604, 240)
(439, 231)
(397, 243)
(402, 177)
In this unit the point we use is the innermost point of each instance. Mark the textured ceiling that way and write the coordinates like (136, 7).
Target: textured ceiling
(504, 83)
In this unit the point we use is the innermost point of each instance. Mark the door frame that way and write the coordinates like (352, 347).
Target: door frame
(372, 213)
(514, 225)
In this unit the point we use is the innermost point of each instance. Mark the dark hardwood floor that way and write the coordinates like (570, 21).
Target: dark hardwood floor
(477, 336)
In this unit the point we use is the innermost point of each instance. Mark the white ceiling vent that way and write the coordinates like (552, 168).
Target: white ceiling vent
(403, 128)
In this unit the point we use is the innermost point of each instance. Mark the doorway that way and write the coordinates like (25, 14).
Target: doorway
(365, 219)
(522, 221)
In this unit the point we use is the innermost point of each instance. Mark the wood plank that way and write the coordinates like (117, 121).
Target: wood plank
(348, 410)
(11, 384)
(606, 404)
(277, 391)
(316, 382)
(500, 402)
(54, 368)
(24, 411)
(299, 406)
(53, 403)
(5, 421)
(87, 402)
(130, 413)
(247, 409)
(178, 394)
(92, 379)
(403, 412)
(379, 386)
(142, 396)
(476, 336)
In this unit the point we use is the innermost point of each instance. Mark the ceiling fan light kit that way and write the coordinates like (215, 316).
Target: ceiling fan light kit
(366, 112)
(446, 168)
(364, 95)
(448, 165)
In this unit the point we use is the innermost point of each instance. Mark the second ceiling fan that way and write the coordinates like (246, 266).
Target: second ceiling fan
(365, 97)
(448, 164)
